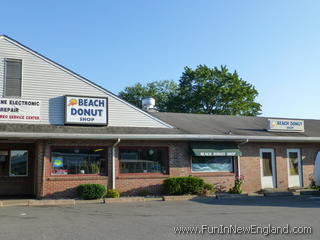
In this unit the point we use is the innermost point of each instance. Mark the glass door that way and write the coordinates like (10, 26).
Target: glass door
(267, 168)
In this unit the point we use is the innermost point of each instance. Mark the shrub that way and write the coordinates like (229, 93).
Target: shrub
(183, 185)
(91, 191)
(113, 193)
(144, 192)
(208, 187)
(237, 189)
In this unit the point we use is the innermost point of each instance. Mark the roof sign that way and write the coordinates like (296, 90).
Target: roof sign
(285, 125)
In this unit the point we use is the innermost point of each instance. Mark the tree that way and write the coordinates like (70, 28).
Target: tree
(214, 91)
(161, 91)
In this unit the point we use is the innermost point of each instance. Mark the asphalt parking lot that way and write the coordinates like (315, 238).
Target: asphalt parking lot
(156, 220)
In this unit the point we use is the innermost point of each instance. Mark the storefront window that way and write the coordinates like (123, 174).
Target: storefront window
(212, 164)
(18, 163)
(78, 161)
(143, 160)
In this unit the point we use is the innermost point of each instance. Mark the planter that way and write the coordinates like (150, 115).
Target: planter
(230, 195)
(124, 199)
(310, 192)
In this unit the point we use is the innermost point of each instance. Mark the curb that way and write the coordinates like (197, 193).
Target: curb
(310, 192)
(51, 202)
(124, 200)
(231, 195)
(277, 194)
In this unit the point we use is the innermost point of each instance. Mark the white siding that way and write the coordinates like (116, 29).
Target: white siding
(43, 80)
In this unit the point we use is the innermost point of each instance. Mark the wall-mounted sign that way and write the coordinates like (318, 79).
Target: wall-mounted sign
(86, 110)
(286, 125)
(19, 110)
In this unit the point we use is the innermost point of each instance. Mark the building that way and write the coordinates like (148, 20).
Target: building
(59, 130)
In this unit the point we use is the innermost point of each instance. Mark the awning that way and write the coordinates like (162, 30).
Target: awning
(215, 149)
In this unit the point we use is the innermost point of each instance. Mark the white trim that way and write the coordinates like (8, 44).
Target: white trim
(273, 163)
(239, 172)
(298, 151)
(83, 79)
(27, 169)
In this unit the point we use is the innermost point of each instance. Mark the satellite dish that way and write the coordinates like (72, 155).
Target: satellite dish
(316, 171)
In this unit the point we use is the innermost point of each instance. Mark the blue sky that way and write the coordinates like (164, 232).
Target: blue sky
(275, 45)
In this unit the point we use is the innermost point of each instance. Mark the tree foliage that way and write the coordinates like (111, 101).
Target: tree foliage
(214, 91)
(201, 90)
(161, 91)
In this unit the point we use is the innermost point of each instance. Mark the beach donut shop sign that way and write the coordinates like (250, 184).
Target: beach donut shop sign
(286, 125)
(86, 110)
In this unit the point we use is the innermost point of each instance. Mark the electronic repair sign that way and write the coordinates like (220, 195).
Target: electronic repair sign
(86, 110)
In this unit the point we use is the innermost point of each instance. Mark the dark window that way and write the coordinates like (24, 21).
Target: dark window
(212, 164)
(143, 160)
(18, 163)
(78, 161)
(13, 73)
(267, 163)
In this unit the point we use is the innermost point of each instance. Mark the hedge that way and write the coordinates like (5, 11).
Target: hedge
(183, 185)
(92, 191)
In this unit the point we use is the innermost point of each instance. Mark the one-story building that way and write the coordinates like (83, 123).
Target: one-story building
(59, 130)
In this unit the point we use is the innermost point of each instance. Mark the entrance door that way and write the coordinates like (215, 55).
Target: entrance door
(16, 170)
(267, 168)
(294, 168)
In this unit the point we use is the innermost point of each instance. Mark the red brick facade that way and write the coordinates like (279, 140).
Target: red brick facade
(179, 158)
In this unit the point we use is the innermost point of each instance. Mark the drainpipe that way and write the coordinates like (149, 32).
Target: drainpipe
(113, 163)
(242, 143)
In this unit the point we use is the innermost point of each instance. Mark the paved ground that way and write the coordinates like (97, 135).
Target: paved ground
(155, 220)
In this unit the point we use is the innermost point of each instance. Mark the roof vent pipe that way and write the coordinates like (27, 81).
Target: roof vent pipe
(148, 104)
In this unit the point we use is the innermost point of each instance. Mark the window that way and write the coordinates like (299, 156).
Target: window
(78, 161)
(212, 164)
(143, 160)
(13, 78)
(293, 163)
(267, 163)
(18, 163)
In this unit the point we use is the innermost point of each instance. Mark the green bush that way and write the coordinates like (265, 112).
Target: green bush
(237, 189)
(209, 187)
(183, 185)
(113, 193)
(91, 191)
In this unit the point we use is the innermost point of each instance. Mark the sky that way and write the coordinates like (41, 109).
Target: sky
(274, 45)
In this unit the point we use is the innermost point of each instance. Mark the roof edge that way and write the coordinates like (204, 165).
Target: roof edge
(183, 137)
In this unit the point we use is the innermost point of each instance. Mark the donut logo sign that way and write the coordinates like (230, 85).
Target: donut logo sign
(85, 110)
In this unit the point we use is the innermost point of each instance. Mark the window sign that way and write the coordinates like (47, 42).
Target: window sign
(19, 110)
(86, 110)
(57, 162)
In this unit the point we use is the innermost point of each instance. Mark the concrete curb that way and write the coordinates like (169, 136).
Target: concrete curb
(52, 202)
(124, 200)
(277, 194)
(231, 195)
(185, 197)
(310, 192)
(82, 201)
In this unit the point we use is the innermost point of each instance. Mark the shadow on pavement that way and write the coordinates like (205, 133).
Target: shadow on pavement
(287, 201)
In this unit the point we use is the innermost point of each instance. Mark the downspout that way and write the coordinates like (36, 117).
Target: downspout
(242, 143)
(113, 163)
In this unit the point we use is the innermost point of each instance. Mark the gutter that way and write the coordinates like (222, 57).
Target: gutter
(114, 163)
(185, 137)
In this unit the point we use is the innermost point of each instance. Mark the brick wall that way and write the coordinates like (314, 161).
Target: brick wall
(66, 186)
(250, 163)
(179, 165)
